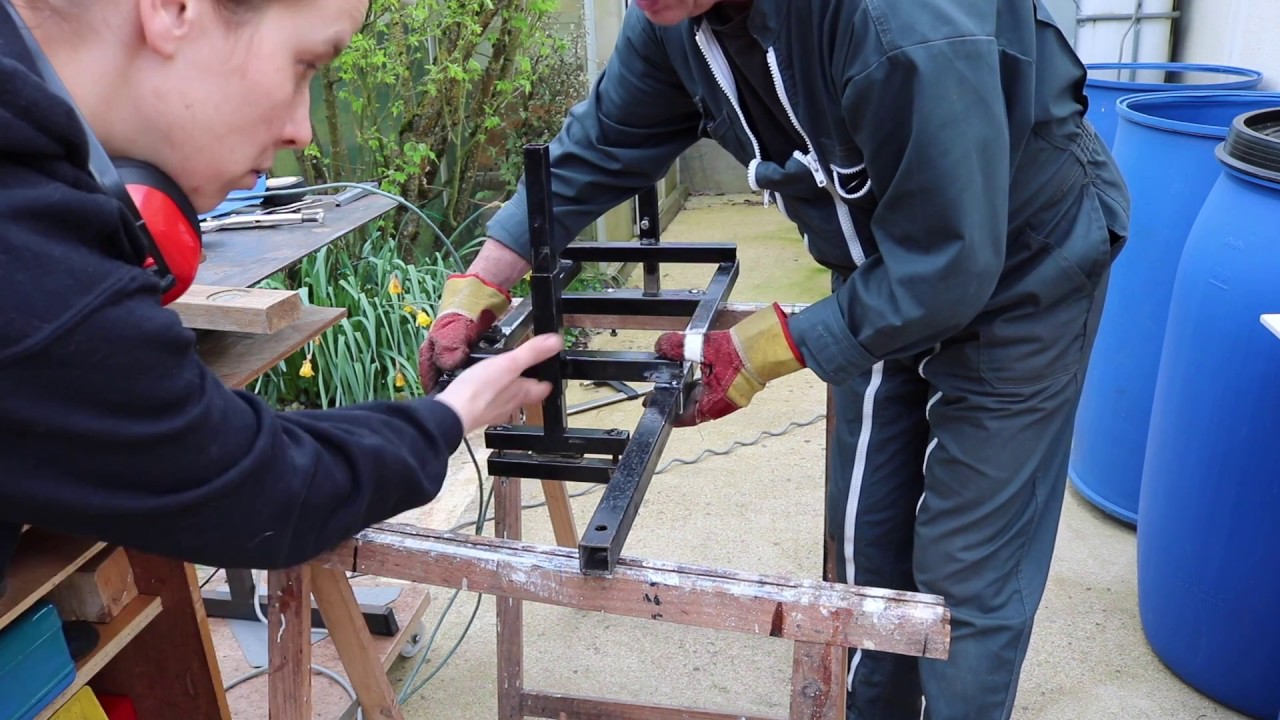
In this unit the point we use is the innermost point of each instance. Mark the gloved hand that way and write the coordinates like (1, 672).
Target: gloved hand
(469, 306)
(736, 363)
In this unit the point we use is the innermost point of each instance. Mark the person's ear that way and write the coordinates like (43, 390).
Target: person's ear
(165, 23)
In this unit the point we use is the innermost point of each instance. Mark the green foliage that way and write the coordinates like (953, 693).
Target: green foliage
(554, 78)
(433, 98)
(372, 354)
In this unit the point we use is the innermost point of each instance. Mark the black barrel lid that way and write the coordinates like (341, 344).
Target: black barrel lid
(1253, 144)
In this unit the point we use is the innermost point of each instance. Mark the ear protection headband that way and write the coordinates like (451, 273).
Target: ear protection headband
(166, 227)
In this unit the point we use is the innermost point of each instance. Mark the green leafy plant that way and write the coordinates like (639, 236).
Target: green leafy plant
(428, 95)
(372, 353)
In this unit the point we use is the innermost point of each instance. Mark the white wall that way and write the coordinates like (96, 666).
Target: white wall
(1232, 32)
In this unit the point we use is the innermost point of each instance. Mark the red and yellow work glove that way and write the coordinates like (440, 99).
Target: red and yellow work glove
(736, 363)
(469, 306)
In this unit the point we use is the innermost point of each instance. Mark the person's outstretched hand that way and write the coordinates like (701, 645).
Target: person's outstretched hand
(736, 363)
(469, 305)
(490, 391)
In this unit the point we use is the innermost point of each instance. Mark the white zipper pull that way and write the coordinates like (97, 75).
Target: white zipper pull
(815, 167)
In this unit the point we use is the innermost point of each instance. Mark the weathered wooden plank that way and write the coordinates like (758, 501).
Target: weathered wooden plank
(807, 611)
(239, 358)
(240, 258)
(342, 618)
(557, 495)
(42, 560)
(289, 643)
(172, 662)
(817, 687)
(241, 310)
(581, 707)
(98, 590)
(510, 611)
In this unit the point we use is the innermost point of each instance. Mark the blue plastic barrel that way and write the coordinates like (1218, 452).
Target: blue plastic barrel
(1209, 514)
(1165, 149)
(1108, 82)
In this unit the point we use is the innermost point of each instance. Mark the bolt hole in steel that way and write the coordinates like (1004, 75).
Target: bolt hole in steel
(601, 528)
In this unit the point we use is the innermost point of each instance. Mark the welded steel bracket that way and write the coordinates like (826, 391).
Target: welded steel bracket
(624, 461)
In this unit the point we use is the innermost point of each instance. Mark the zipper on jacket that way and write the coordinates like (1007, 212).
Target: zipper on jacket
(815, 166)
(714, 56)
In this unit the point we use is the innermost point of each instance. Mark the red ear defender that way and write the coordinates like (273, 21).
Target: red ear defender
(168, 228)
(170, 220)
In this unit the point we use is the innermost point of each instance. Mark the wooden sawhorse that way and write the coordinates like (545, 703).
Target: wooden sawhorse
(823, 619)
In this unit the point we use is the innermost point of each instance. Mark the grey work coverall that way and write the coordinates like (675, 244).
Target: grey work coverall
(946, 175)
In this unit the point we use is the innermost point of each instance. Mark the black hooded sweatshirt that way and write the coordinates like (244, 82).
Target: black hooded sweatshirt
(111, 426)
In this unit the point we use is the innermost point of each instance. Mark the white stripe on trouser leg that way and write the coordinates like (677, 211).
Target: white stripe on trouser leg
(924, 470)
(855, 489)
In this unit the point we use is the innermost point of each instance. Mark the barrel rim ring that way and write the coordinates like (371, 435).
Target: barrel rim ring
(1124, 107)
(1246, 77)
(1242, 138)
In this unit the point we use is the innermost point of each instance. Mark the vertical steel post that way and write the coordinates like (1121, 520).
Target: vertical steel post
(543, 287)
(649, 219)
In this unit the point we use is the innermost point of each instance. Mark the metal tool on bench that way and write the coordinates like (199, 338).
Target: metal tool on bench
(625, 392)
(265, 219)
(624, 461)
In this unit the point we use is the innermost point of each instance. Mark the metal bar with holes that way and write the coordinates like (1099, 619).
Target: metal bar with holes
(607, 532)
(667, 252)
(545, 279)
(649, 211)
(624, 462)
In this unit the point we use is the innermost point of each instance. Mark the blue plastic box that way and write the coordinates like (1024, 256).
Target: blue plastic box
(35, 664)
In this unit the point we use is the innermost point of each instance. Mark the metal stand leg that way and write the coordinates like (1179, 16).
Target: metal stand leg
(237, 604)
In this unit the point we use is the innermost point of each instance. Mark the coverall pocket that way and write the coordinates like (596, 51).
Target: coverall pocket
(795, 178)
(853, 183)
(1034, 331)
(713, 126)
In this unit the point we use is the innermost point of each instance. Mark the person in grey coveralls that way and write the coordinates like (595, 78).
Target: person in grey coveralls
(935, 156)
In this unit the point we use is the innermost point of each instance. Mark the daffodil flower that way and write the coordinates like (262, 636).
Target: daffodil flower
(424, 320)
(306, 371)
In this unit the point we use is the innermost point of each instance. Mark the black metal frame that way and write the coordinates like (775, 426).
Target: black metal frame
(624, 461)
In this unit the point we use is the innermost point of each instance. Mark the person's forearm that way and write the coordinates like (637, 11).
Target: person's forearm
(499, 265)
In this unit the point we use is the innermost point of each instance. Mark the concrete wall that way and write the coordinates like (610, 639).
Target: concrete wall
(1232, 32)
(710, 170)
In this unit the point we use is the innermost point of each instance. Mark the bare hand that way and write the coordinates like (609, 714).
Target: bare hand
(489, 392)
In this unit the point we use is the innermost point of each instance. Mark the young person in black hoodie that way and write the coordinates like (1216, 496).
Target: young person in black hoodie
(110, 425)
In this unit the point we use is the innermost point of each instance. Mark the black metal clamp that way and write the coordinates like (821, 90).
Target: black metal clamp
(624, 461)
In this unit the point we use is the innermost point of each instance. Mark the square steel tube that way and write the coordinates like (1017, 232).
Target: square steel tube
(514, 463)
(666, 252)
(578, 441)
(649, 211)
(605, 534)
(544, 283)
(667, 303)
(600, 365)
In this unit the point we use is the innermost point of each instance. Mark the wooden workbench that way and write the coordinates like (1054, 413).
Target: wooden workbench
(160, 650)
(239, 259)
